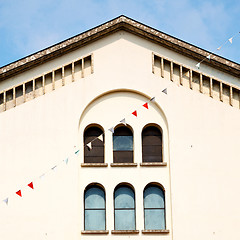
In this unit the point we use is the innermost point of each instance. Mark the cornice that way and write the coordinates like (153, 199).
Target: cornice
(119, 23)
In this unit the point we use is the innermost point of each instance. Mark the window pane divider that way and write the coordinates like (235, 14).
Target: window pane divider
(124, 209)
(95, 208)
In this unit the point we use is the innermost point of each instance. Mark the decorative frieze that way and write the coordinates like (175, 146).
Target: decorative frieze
(46, 82)
(196, 81)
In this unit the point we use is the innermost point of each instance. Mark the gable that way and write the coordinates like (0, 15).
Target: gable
(120, 23)
(121, 60)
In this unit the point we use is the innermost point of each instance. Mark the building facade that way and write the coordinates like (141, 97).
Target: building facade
(115, 134)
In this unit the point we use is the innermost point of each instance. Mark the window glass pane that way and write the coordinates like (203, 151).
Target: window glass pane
(122, 143)
(124, 219)
(154, 219)
(95, 219)
(124, 198)
(153, 197)
(94, 198)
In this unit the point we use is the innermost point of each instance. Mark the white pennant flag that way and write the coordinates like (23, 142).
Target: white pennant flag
(6, 201)
(164, 90)
(230, 39)
(66, 160)
(123, 121)
(89, 145)
(198, 65)
(153, 99)
(42, 176)
(209, 57)
(111, 130)
(100, 137)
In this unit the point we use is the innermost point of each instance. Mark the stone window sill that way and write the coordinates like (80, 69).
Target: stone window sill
(94, 165)
(153, 164)
(125, 231)
(123, 164)
(95, 232)
(164, 231)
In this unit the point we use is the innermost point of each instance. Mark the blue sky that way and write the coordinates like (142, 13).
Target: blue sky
(28, 26)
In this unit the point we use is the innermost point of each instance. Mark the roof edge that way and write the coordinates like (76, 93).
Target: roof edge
(119, 23)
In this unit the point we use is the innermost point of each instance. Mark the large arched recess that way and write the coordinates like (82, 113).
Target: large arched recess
(110, 107)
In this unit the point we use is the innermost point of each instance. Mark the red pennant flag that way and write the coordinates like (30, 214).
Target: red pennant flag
(134, 113)
(145, 105)
(30, 185)
(19, 193)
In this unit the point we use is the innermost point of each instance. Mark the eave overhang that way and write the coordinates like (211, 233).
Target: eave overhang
(117, 24)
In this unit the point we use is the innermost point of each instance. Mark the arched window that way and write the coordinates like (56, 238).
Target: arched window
(154, 208)
(124, 208)
(94, 208)
(122, 145)
(151, 144)
(96, 153)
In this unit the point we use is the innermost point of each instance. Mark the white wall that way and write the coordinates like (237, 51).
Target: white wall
(202, 187)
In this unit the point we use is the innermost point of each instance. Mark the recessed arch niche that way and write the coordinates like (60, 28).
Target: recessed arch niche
(108, 109)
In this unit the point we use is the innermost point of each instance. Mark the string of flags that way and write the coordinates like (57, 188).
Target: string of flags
(30, 185)
(209, 56)
(88, 145)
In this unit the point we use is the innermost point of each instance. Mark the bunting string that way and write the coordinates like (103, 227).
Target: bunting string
(209, 56)
(76, 151)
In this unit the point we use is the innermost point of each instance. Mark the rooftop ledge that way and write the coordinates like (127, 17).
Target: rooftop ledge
(119, 23)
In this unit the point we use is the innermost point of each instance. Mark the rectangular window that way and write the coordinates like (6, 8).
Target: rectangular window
(122, 143)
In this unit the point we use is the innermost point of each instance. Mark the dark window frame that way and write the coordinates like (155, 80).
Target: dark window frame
(150, 146)
(97, 145)
(99, 186)
(118, 155)
(127, 185)
(154, 184)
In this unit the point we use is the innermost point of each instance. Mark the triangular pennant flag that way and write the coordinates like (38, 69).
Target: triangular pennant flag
(30, 185)
(42, 176)
(153, 99)
(66, 160)
(209, 57)
(145, 105)
(76, 152)
(19, 193)
(6, 201)
(230, 39)
(111, 130)
(219, 48)
(123, 121)
(134, 113)
(164, 90)
(100, 137)
(54, 168)
(198, 65)
(89, 145)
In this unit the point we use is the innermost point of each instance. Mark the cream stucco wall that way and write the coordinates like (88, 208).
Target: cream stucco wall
(201, 148)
